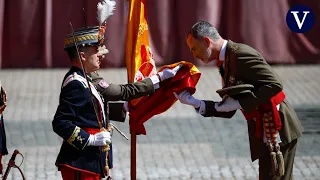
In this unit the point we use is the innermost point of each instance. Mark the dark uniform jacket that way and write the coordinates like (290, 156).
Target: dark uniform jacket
(75, 112)
(244, 65)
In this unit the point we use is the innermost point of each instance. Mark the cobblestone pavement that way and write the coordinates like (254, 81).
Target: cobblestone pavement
(179, 144)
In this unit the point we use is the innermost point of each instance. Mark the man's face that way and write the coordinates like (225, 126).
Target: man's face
(200, 49)
(92, 58)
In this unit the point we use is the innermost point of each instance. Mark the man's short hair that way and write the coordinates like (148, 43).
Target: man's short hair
(72, 52)
(204, 29)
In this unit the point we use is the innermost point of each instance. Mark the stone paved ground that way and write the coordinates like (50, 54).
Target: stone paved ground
(179, 144)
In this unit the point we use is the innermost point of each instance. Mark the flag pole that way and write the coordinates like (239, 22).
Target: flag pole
(130, 57)
(137, 40)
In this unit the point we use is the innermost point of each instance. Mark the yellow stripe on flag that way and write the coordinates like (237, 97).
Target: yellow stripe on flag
(139, 60)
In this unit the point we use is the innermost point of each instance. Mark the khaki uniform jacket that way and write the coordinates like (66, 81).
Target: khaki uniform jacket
(244, 65)
(120, 92)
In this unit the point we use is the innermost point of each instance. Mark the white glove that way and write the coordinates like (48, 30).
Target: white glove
(169, 73)
(228, 105)
(99, 139)
(186, 98)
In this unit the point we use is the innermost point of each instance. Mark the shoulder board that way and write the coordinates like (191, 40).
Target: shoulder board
(234, 48)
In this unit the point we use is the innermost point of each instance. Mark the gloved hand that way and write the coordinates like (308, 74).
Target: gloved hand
(169, 73)
(99, 139)
(186, 98)
(227, 105)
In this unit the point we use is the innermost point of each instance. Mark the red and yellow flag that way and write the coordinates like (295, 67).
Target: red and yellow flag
(163, 98)
(140, 64)
(139, 59)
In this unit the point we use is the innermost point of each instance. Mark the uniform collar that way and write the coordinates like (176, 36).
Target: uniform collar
(75, 68)
(78, 70)
(223, 51)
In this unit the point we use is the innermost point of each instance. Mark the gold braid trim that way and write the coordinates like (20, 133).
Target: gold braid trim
(234, 48)
(74, 135)
(277, 161)
(81, 38)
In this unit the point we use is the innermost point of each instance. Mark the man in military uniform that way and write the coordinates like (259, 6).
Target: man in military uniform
(81, 155)
(3, 140)
(252, 86)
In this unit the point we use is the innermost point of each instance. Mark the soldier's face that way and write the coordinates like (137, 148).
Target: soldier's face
(92, 58)
(200, 48)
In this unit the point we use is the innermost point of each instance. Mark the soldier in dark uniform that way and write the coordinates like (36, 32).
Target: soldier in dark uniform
(3, 140)
(252, 86)
(81, 155)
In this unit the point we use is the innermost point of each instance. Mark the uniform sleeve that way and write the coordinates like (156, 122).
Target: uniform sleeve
(72, 98)
(210, 111)
(124, 92)
(255, 71)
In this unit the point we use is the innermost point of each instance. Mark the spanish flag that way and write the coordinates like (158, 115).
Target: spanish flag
(139, 60)
(140, 64)
(163, 98)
